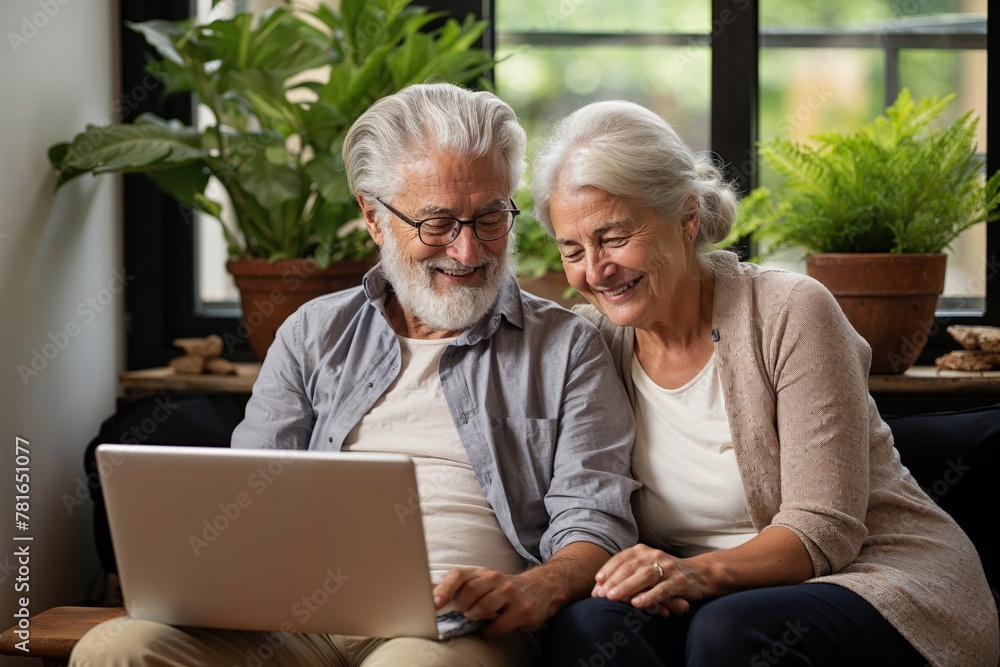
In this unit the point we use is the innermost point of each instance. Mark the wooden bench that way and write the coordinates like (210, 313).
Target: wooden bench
(55, 632)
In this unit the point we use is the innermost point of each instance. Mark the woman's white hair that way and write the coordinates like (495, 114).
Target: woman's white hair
(429, 117)
(628, 151)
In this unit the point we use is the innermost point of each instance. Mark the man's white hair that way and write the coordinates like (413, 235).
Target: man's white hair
(426, 117)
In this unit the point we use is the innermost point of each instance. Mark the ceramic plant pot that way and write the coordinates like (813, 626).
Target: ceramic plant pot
(890, 300)
(271, 291)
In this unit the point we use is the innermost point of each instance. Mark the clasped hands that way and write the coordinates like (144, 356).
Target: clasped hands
(651, 579)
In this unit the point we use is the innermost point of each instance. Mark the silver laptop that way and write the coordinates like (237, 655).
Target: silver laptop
(271, 540)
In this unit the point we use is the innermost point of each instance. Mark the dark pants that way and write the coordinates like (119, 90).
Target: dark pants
(808, 624)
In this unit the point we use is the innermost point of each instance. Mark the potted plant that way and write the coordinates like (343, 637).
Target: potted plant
(282, 90)
(874, 209)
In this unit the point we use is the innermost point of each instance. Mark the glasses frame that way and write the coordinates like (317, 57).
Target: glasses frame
(514, 211)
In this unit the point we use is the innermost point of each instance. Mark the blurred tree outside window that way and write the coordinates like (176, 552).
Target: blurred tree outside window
(558, 55)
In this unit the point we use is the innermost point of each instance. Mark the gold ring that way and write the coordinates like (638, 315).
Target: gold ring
(659, 570)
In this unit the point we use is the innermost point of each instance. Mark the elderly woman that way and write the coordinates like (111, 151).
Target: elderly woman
(777, 521)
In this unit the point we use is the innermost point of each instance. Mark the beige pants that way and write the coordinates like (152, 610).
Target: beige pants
(130, 642)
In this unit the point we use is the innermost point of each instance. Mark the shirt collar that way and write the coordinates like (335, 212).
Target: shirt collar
(508, 305)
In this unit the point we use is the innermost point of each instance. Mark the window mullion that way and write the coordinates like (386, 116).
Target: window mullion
(735, 44)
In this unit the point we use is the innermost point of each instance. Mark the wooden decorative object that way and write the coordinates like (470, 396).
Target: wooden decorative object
(201, 355)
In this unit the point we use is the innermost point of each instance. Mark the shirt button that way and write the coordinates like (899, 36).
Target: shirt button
(331, 438)
(465, 418)
(489, 478)
(371, 384)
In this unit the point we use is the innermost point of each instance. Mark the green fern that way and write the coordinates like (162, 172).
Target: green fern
(895, 185)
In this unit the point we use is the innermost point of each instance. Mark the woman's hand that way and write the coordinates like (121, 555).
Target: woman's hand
(633, 576)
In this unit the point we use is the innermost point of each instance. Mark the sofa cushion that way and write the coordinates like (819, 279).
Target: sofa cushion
(955, 457)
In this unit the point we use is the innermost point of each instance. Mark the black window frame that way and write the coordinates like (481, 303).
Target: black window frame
(159, 238)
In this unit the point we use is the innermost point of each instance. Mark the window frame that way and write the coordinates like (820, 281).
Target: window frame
(160, 240)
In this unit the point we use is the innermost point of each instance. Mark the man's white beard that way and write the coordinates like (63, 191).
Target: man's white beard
(460, 306)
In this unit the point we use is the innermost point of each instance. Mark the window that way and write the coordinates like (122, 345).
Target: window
(831, 66)
(697, 63)
(820, 66)
(556, 57)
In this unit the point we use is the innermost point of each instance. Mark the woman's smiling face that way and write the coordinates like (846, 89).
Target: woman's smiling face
(624, 258)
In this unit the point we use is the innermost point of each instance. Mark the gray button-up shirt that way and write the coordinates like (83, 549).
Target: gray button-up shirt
(531, 388)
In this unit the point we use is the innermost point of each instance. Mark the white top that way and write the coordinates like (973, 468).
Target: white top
(412, 417)
(692, 495)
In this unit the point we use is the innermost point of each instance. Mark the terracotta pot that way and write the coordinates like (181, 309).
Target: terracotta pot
(551, 286)
(271, 291)
(889, 299)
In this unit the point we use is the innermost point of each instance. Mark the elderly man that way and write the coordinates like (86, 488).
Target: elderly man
(508, 404)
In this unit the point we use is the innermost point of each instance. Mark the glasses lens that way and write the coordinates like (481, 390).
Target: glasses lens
(438, 231)
(493, 225)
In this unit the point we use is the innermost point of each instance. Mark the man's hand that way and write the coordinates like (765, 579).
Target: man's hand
(521, 601)
(512, 601)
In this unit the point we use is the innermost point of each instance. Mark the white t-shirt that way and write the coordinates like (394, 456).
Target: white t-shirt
(692, 496)
(412, 417)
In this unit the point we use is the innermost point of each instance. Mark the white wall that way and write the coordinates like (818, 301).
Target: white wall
(58, 71)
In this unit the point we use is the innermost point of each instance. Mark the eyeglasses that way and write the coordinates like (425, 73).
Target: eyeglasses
(442, 231)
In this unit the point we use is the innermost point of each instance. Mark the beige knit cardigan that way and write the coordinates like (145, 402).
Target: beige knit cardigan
(815, 457)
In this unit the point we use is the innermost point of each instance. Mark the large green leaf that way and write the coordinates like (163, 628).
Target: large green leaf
(410, 59)
(285, 45)
(57, 156)
(327, 172)
(161, 35)
(183, 183)
(361, 83)
(148, 143)
(455, 37)
(306, 57)
(351, 12)
(324, 126)
(225, 40)
(335, 23)
(269, 182)
(408, 21)
(266, 94)
(336, 89)
(176, 78)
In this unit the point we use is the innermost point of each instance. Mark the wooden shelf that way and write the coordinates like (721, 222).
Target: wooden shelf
(916, 380)
(930, 380)
(150, 380)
